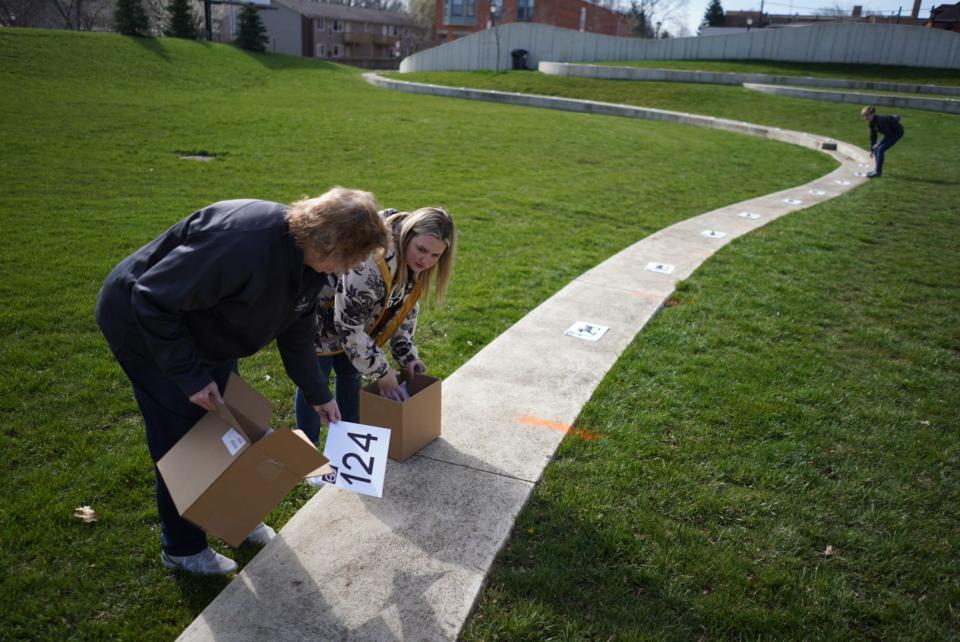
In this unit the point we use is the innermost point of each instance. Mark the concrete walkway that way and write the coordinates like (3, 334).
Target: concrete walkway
(409, 566)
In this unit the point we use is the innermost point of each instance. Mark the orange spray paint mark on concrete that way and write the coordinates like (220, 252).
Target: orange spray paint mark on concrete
(539, 422)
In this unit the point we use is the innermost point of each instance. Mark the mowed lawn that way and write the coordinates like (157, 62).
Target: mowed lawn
(843, 71)
(778, 450)
(92, 128)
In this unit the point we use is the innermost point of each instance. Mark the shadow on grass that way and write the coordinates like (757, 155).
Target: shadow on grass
(277, 61)
(153, 45)
(560, 574)
(930, 181)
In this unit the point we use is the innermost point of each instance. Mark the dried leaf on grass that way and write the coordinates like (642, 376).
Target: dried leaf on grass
(828, 551)
(85, 514)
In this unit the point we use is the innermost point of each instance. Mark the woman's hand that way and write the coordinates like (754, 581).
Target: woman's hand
(207, 397)
(388, 386)
(414, 367)
(329, 412)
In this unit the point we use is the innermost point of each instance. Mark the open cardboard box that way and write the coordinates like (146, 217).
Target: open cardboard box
(231, 469)
(413, 423)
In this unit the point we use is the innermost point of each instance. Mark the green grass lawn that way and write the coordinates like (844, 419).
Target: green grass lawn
(92, 127)
(778, 454)
(843, 71)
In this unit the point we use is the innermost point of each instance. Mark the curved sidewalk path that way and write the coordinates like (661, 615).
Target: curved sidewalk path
(410, 566)
(927, 97)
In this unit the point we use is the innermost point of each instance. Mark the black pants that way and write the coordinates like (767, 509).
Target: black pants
(885, 144)
(167, 416)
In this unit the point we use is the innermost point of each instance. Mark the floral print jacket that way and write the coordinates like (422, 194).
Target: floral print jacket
(350, 305)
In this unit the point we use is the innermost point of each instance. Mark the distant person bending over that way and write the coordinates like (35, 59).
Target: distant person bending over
(376, 303)
(219, 285)
(892, 131)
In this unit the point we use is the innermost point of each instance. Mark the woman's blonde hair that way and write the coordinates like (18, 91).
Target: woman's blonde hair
(432, 221)
(341, 224)
(869, 109)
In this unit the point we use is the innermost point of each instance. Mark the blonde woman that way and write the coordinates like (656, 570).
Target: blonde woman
(219, 285)
(892, 132)
(378, 303)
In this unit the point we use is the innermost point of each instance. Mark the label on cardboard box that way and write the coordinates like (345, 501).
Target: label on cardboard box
(234, 441)
(358, 456)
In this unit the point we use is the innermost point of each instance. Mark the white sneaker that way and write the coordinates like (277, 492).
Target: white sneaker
(316, 481)
(206, 562)
(261, 535)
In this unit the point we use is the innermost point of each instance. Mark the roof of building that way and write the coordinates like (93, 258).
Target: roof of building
(946, 13)
(314, 9)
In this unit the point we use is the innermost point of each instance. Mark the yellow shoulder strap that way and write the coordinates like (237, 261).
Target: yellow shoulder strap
(391, 328)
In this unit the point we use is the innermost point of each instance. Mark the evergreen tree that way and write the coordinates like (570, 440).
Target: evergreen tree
(130, 19)
(251, 34)
(182, 24)
(714, 14)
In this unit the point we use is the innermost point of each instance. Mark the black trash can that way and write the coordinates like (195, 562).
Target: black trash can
(519, 58)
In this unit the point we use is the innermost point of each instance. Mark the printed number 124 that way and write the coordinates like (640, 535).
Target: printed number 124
(363, 441)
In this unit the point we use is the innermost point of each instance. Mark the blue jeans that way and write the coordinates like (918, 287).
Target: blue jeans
(167, 416)
(347, 394)
(883, 146)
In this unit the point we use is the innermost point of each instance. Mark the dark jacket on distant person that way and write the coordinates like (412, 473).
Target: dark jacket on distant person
(219, 285)
(886, 125)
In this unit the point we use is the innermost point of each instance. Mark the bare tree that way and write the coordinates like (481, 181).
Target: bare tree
(81, 15)
(644, 14)
(21, 13)
(423, 13)
(836, 11)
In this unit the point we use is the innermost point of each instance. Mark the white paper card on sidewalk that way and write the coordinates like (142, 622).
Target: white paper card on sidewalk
(793, 201)
(588, 331)
(358, 457)
(713, 234)
(817, 192)
(749, 215)
(864, 165)
(859, 173)
(660, 268)
(841, 182)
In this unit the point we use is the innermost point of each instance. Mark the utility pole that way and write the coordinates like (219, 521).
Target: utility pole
(207, 20)
(761, 14)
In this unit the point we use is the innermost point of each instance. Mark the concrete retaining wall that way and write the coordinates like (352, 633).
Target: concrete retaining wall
(846, 150)
(729, 78)
(858, 43)
(878, 100)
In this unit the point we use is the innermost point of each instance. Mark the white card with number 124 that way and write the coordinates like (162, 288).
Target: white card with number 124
(358, 456)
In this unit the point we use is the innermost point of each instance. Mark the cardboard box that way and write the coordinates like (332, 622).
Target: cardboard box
(414, 423)
(231, 469)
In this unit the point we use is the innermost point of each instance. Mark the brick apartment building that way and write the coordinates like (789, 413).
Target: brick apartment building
(351, 35)
(457, 18)
(946, 17)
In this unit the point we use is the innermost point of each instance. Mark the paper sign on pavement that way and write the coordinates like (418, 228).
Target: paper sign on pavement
(358, 456)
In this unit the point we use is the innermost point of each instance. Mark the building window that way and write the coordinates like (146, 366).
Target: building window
(337, 25)
(337, 52)
(320, 25)
(525, 10)
(460, 12)
(321, 51)
(367, 26)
